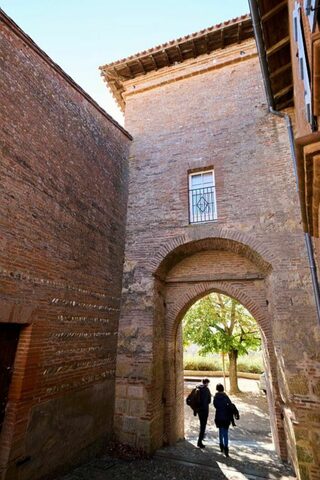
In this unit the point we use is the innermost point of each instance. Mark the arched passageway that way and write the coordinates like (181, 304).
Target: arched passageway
(174, 416)
(190, 272)
(158, 291)
(214, 321)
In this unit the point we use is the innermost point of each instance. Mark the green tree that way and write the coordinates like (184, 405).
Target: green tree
(220, 324)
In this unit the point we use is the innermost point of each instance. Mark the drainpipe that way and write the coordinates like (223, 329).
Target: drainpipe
(255, 16)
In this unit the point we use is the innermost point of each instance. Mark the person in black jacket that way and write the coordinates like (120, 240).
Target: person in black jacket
(203, 409)
(223, 417)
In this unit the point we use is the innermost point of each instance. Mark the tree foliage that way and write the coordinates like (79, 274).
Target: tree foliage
(220, 324)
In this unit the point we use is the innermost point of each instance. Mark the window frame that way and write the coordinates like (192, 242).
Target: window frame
(214, 213)
(311, 11)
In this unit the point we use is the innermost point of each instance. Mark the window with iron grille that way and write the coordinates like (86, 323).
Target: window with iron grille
(202, 197)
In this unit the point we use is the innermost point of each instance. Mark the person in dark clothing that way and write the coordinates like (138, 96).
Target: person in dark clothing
(223, 417)
(203, 409)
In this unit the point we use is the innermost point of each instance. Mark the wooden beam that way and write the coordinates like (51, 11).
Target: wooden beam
(179, 53)
(283, 92)
(141, 65)
(206, 41)
(280, 70)
(110, 80)
(115, 75)
(239, 31)
(194, 49)
(316, 74)
(274, 11)
(129, 70)
(154, 62)
(277, 46)
(166, 56)
(222, 37)
(287, 103)
(111, 75)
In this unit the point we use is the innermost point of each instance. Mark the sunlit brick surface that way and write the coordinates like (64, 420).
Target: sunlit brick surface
(211, 113)
(63, 204)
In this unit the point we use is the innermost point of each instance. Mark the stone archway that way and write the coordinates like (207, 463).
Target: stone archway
(174, 419)
(195, 239)
(156, 292)
(192, 270)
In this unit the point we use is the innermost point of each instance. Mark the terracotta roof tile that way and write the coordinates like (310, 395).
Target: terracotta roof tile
(174, 52)
(179, 40)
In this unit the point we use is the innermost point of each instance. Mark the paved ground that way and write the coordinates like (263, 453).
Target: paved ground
(254, 425)
(252, 454)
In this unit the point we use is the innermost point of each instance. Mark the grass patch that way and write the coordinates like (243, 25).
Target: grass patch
(252, 363)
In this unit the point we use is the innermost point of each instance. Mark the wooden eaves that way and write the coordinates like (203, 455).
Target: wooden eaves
(175, 52)
(274, 19)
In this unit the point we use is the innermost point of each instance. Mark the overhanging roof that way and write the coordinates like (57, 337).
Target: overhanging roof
(274, 20)
(174, 52)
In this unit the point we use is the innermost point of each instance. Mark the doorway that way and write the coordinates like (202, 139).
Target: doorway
(9, 336)
(222, 342)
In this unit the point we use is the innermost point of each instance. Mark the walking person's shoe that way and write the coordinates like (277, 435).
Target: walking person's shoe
(226, 451)
(221, 447)
(200, 445)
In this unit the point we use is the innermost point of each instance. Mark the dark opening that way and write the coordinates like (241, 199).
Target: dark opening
(9, 336)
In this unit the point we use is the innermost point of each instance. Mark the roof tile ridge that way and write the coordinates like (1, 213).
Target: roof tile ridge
(184, 38)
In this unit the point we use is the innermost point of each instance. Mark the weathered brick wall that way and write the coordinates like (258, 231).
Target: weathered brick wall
(208, 264)
(211, 111)
(63, 188)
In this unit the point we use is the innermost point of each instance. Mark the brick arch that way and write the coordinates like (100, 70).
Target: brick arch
(210, 238)
(179, 303)
(197, 291)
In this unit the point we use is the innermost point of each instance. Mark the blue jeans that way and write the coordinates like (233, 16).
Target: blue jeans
(223, 436)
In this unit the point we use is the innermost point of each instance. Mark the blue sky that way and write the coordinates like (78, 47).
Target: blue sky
(80, 35)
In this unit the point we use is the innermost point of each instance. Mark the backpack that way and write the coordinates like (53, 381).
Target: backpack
(234, 413)
(193, 400)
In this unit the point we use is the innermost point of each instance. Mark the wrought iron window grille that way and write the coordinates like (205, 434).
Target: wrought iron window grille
(202, 204)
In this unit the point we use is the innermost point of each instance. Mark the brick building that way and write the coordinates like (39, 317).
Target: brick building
(212, 206)
(288, 35)
(63, 201)
(288, 41)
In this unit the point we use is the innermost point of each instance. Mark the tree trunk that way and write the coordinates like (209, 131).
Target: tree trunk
(223, 370)
(233, 377)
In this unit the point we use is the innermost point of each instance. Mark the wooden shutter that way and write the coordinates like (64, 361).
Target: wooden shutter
(296, 16)
(310, 7)
(303, 64)
(316, 77)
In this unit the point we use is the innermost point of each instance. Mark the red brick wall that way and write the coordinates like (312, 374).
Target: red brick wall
(213, 264)
(181, 120)
(63, 189)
